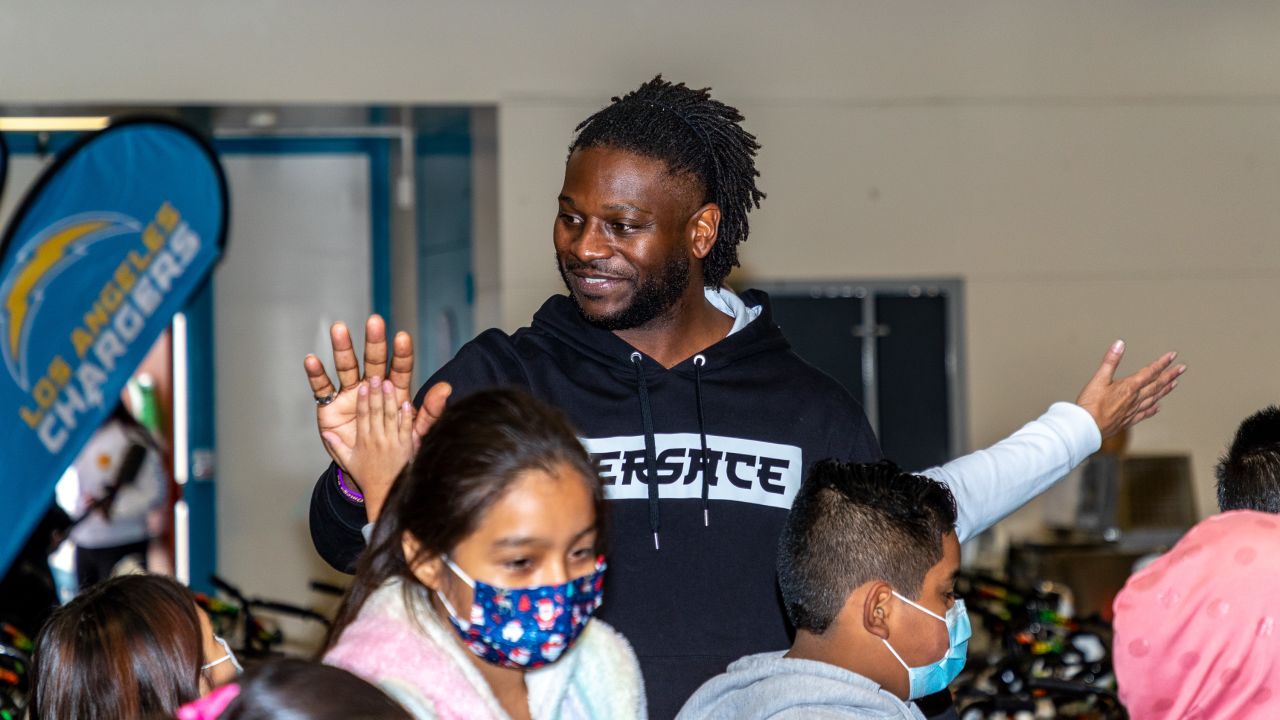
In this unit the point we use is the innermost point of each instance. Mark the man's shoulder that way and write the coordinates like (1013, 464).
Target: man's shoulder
(786, 368)
(494, 358)
(496, 345)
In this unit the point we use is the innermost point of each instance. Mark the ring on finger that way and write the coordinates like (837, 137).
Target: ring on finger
(325, 399)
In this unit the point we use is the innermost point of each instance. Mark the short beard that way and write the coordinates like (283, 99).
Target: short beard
(653, 297)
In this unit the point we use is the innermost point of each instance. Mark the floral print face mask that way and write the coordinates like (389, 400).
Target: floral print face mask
(526, 627)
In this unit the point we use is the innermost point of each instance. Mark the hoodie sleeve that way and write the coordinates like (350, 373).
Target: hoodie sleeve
(989, 484)
(336, 522)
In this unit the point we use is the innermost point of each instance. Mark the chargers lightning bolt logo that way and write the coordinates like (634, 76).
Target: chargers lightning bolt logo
(47, 255)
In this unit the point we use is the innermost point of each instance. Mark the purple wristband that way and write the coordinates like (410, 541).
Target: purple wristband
(347, 492)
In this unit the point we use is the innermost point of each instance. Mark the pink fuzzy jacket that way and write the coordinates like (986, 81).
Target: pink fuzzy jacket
(399, 643)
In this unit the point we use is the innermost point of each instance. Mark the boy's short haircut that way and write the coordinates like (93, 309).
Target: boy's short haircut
(852, 524)
(1249, 474)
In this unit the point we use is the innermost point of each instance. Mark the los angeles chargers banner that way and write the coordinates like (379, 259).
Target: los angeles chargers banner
(107, 246)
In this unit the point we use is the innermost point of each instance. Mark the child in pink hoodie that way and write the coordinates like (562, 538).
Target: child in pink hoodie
(475, 596)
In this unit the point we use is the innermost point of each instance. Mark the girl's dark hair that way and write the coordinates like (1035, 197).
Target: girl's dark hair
(136, 431)
(293, 689)
(468, 460)
(692, 133)
(127, 648)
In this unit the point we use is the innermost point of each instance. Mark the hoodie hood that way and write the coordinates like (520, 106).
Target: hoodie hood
(559, 317)
(771, 685)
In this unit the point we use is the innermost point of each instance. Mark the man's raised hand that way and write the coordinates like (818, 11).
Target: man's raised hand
(384, 442)
(1118, 404)
(336, 407)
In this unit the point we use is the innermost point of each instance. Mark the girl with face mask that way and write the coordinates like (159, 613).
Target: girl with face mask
(129, 648)
(475, 596)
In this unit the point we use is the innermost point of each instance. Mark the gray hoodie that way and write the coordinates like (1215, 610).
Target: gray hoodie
(769, 685)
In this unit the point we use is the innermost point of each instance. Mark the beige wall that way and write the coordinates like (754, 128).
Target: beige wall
(1071, 223)
(1091, 169)
(479, 51)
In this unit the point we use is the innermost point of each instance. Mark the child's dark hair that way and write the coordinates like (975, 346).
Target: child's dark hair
(852, 524)
(694, 134)
(1249, 473)
(129, 647)
(292, 689)
(471, 456)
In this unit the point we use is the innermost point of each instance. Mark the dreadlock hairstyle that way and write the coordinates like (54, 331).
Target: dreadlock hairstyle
(693, 134)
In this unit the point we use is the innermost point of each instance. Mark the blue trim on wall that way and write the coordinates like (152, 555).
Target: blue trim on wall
(380, 209)
(380, 231)
(28, 143)
(201, 495)
(451, 144)
(284, 145)
(446, 286)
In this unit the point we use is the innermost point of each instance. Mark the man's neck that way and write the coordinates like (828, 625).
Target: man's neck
(689, 327)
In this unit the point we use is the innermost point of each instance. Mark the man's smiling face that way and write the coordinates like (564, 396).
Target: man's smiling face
(622, 236)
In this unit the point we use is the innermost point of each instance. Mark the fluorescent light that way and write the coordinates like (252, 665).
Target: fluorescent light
(52, 124)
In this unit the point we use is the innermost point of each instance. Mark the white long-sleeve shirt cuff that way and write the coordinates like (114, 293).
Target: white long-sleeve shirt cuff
(990, 484)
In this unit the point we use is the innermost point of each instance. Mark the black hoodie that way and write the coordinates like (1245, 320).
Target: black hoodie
(691, 581)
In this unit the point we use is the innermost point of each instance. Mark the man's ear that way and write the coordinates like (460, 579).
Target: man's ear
(704, 228)
(876, 609)
(429, 569)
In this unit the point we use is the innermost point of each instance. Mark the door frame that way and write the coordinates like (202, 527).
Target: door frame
(866, 290)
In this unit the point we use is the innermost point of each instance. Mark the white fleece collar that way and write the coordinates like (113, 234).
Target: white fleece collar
(724, 300)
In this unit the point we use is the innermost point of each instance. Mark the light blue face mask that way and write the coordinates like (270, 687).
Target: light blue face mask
(935, 677)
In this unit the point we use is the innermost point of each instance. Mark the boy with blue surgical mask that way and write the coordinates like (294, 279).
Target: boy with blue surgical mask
(866, 564)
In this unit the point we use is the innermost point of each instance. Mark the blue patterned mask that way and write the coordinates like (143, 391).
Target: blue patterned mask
(935, 677)
(526, 627)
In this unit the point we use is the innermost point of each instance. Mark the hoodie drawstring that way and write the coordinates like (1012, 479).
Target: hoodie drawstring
(650, 449)
(698, 362)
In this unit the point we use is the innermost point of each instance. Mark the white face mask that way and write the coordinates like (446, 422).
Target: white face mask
(230, 656)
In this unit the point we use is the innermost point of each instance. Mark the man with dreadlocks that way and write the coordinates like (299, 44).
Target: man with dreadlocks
(700, 418)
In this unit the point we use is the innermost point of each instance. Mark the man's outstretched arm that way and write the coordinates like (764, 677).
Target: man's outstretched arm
(992, 483)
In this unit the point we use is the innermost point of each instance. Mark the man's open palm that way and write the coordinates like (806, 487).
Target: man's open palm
(339, 416)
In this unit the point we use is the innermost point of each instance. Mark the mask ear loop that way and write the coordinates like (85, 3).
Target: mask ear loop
(448, 606)
(921, 608)
(229, 656)
(896, 656)
(458, 571)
